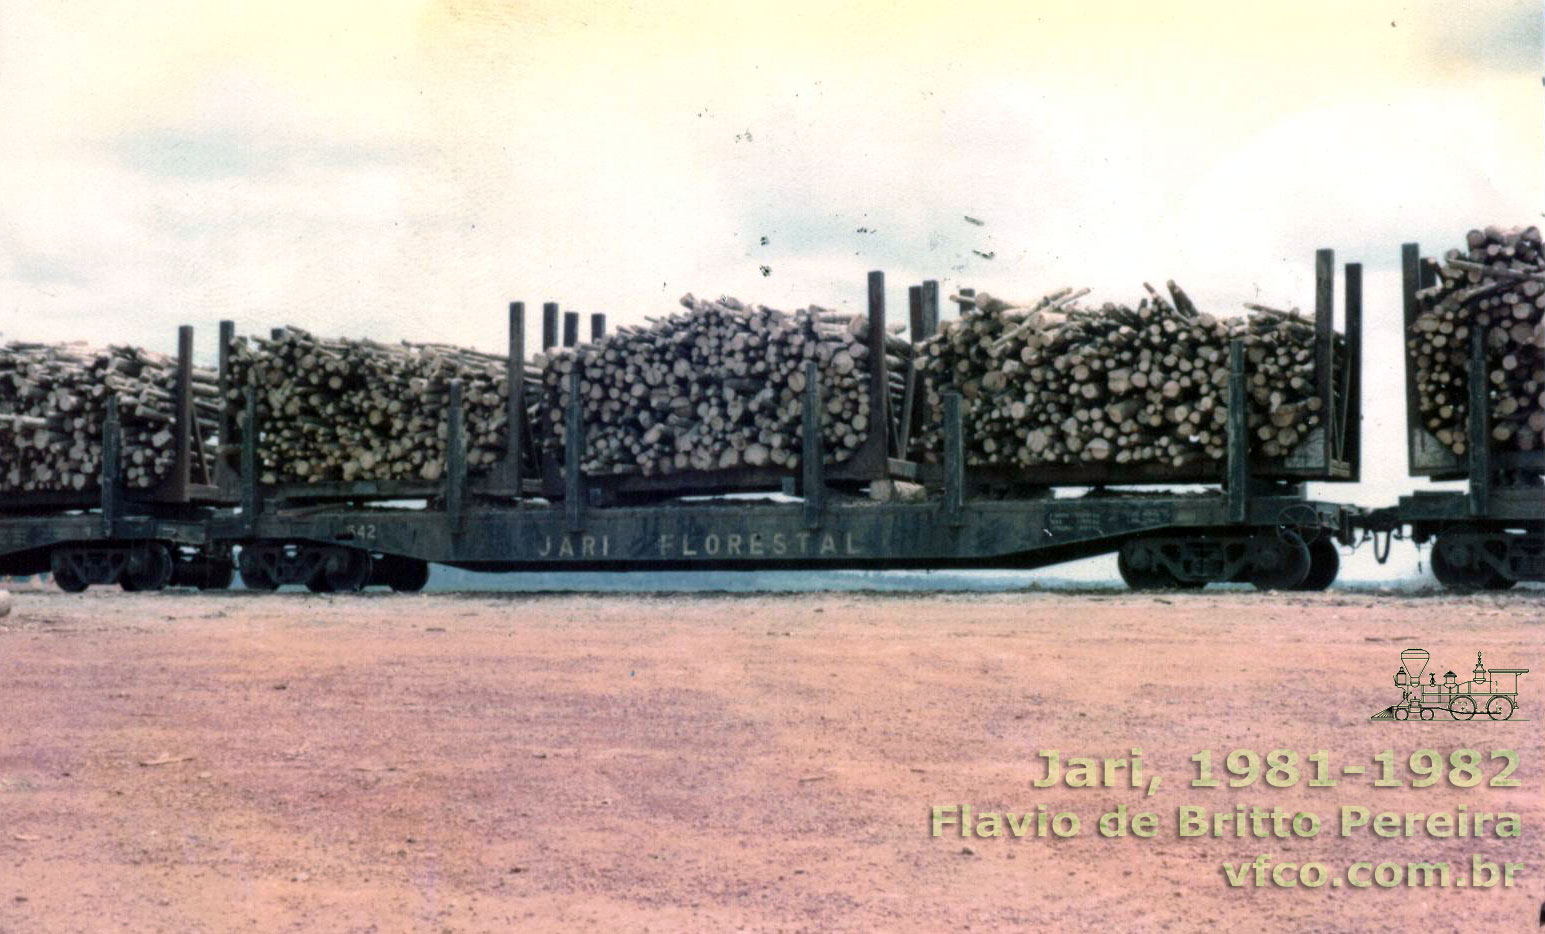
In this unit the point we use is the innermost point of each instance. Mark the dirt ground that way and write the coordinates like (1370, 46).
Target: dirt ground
(765, 763)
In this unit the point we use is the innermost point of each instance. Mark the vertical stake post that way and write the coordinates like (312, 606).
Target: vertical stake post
(915, 312)
(954, 460)
(184, 427)
(1324, 334)
(249, 461)
(225, 426)
(880, 419)
(909, 397)
(455, 459)
(573, 457)
(549, 325)
(112, 467)
(1352, 388)
(1238, 436)
(1427, 274)
(930, 307)
(1480, 426)
(515, 414)
(570, 328)
(1410, 281)
(597, 327)
(811, 457)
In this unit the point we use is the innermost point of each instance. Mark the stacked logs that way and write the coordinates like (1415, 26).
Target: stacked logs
(359, 410)
(53, 406)
(1052, 382)
(718, 387)
(1496, 284)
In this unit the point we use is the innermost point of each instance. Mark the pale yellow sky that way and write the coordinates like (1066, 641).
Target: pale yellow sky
(598, 147)
(404, 169)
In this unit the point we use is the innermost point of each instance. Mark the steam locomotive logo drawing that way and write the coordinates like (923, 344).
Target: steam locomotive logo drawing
(1492, 691)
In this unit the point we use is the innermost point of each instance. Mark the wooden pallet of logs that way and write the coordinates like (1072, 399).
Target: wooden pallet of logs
(1055, 382)
(1497, 284)
(53, 405)
(361, 410)
(718, 387)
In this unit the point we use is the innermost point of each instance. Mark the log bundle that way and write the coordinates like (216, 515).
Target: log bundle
(717, 387)
(53, 406)
(1054, 382)
(360, 410)
(1496, 284)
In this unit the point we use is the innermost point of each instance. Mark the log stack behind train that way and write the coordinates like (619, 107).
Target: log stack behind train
(1496, 284)
(1052, 382)
(54, 402)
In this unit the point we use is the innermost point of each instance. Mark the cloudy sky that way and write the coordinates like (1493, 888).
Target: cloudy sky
(405, 169)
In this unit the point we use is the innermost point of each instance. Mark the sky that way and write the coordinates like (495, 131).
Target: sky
(405, 169)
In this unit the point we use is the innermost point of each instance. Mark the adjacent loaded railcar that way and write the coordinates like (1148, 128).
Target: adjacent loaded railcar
(1485, 322)
(107, 532)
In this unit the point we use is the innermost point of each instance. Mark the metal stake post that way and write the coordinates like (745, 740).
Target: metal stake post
(455, 459)
(515, 414)
(954, 460)
(1238, 436)
(112, 467)
(812, 458)
(573, 456)
(1480, 427)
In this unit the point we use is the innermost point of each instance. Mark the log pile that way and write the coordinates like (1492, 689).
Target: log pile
(359, 410)
(1052, 382)
(1497, 283)
(53, 405)
(717, 387)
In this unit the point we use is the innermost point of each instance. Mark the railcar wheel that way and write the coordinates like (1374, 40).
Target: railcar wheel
(148, 568)
(1427, 713)
(1137, 570)
(1458, 578)
(1278, 563)
(68, 580)
(343, 570)
(255, 577)
(408, 575)
(1402, 713)
(1500, 708)
(1462, 707)
(1324, 564)
(1458, 565)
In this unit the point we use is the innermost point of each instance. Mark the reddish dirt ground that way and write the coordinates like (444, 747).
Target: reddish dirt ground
(765, 763)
